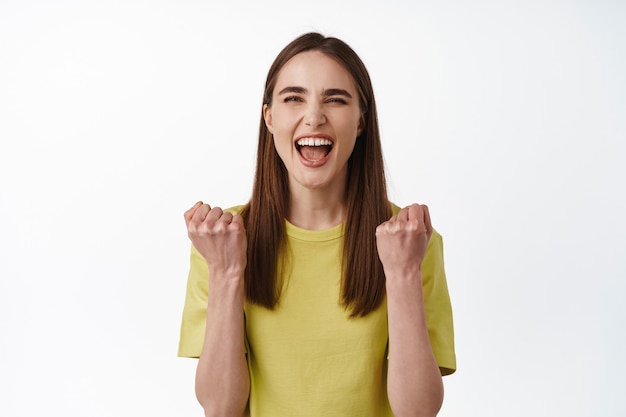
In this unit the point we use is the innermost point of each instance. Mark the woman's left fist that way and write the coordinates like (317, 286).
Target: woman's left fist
(402, 240)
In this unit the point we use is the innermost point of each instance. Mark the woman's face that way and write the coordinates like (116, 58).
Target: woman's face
(315, 119)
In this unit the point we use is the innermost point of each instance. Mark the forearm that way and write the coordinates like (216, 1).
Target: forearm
(414, 383)
(222, 380)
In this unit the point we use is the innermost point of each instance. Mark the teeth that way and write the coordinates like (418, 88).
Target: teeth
(313, 142)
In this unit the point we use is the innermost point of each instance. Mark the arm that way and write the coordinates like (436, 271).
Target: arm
(222, 380)
(414, 383)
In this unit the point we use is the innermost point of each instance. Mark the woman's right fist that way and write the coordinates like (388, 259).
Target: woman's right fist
(219, 237)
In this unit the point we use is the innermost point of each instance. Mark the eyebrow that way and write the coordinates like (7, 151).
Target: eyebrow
(336, 92)
(296, 90)
(326, 93)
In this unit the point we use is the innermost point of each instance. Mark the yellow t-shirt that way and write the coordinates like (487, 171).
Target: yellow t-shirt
(307, 357)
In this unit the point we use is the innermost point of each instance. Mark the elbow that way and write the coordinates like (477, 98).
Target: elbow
(426, 405)
(222, 405)
(416, 413)
(222, 408)
(223, 396)
(212, 412)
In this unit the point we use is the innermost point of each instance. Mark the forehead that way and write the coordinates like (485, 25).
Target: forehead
(314, 69)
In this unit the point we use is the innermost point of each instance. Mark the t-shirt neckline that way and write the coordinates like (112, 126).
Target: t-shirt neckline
(314, 235)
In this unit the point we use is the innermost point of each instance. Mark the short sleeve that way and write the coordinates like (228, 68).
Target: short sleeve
(437, 306)
(193, 324)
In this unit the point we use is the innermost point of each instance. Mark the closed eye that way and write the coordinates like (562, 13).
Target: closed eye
(337, 100)
(292, 99)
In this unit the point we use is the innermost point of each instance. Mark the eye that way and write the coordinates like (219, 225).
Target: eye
(294, 99)
(336, 100)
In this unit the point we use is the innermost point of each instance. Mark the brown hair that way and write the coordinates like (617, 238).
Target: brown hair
(363, 280)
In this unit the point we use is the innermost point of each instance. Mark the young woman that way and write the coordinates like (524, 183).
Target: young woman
(319, 297)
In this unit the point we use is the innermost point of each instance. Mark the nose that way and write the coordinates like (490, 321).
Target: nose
(314, 115)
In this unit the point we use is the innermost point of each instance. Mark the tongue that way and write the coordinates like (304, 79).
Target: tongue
(314, 153)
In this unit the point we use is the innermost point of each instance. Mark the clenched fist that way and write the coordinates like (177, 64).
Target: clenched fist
(402, 241)
(219, 237)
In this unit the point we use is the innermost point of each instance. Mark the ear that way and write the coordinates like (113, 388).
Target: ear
(361, 126)
(267, 116)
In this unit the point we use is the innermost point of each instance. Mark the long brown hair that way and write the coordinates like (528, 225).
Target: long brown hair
(363, 280)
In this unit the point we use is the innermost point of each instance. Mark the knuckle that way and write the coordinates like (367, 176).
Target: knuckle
(219, 228)
(193, 234)
(236, 227)
(202, 229)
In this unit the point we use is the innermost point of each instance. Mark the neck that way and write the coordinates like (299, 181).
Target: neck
(317, 209)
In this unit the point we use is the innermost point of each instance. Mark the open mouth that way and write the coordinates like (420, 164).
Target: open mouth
(314, 149)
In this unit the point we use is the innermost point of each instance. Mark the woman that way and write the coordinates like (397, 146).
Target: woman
(325, 299)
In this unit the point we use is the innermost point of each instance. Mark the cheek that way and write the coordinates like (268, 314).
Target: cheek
(354, 126)
(282, 143)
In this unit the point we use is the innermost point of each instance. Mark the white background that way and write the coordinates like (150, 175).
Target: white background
(507, 118)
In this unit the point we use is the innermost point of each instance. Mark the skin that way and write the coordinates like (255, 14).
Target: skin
(302, 106)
